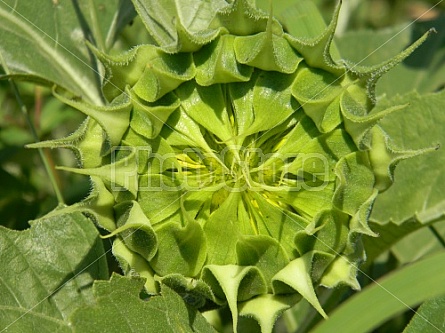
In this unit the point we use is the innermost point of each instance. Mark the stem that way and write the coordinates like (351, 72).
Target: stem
(24, 110)
(289, 319)
(437, 235)
(96, 27)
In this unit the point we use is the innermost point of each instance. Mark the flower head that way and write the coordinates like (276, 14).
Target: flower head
(235, 162)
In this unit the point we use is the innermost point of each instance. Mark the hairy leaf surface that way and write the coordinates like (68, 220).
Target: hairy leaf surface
(45, 40)
(120, 309)
(47, 272)
(418, 189)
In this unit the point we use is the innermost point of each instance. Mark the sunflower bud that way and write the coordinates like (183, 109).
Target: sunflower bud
(237, 164)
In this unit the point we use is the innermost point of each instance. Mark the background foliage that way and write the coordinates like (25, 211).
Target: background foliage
(409, 217)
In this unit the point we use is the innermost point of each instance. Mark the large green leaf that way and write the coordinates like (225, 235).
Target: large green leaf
(419, 181)
(120, 309)
(47, 272)
(420, 243)
(396, 293)
(422, 71)
(430, 317)
(45, 40)
(409, 240)
(416, 200)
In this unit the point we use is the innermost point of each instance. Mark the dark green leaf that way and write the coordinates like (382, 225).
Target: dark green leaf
(400, 291)
(45, 40)
(47, 272)
(389, 235)
(120, 309)
(422, 71)
(430, 317)
(420, 243)
(419, 181)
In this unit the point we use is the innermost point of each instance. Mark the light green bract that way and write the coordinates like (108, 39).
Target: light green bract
(235, 163)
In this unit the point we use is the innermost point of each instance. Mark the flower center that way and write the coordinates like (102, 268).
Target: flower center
(218, 149)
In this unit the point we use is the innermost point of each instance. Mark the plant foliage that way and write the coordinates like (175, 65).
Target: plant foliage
(241, 157)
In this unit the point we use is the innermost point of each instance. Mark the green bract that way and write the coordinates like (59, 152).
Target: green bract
(235, 163)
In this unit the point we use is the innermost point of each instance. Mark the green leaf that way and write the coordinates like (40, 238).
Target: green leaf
(179, 25)
(388, 297)
(420, 243)
(119, 308)
(47, 272)
(301, 18)
(389, 234)
(107, 19)
(422, 71)
(429, 318)
(103, 21)
(51, 46)
(419, 181)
